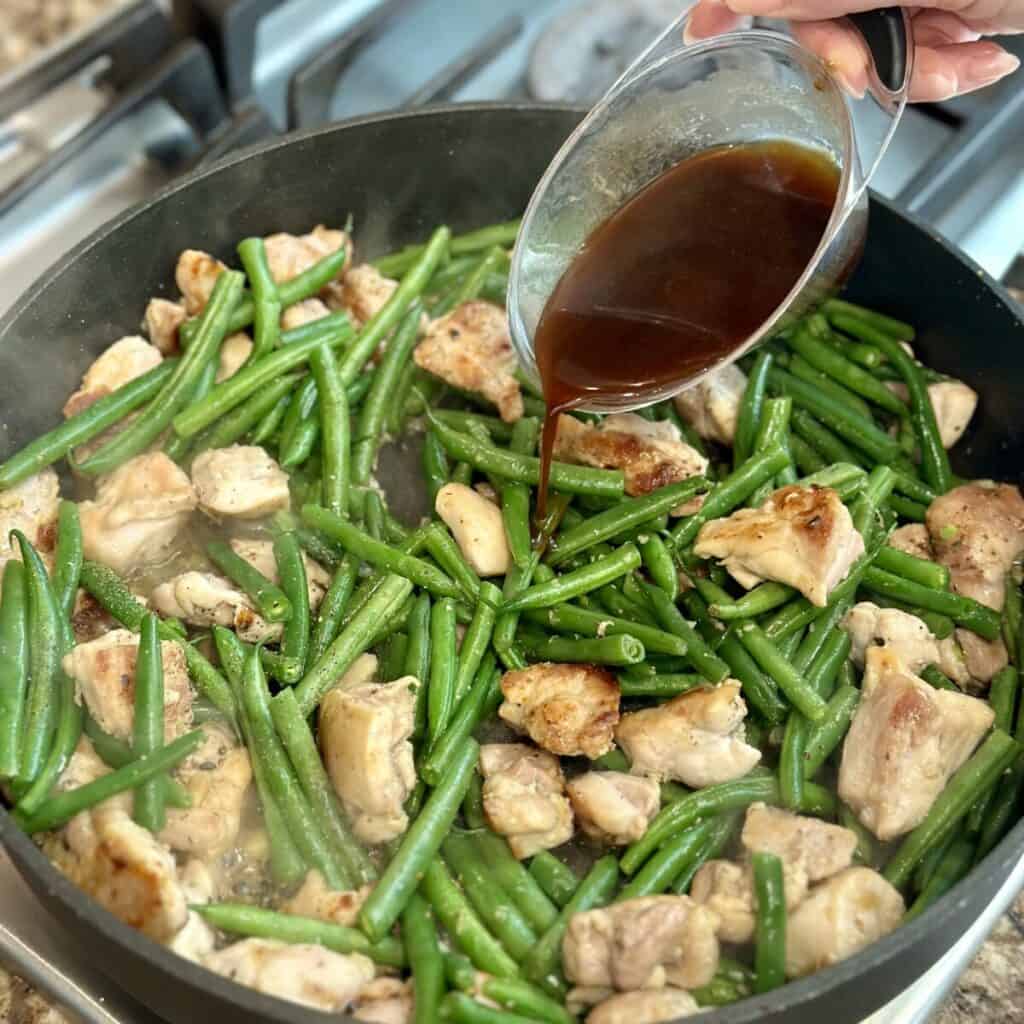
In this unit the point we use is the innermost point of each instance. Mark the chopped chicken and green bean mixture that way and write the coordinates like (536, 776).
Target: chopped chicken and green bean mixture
(741, 702)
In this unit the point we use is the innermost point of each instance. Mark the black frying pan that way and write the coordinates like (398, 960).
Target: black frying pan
(399, 176)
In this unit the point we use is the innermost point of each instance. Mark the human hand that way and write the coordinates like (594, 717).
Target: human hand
(950, 57)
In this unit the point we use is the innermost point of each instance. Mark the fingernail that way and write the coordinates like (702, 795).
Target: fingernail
(989, 67)
(757, 8)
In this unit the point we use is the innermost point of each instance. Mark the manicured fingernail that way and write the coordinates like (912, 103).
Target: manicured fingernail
(989, 67)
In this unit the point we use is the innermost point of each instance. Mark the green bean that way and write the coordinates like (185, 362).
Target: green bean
(770, 936)
(805, 455)
(660, 686)
(619, 649)
(67, 562)
(758, 687)
(373, 414)
(61, 807)
(731, 983)
(1013, 614)
(14, 666)
(730, 492)
(833, 308)
(177, 390)
(750, 409)
(865, 509)
(419, 846)
(477, 639)
(46, 647)
(657, 875)
(515, 497)
(270, 600)
(332, 607)
(558, 880)
(473, 804)
(840, 477)
(471, 283)
(615, 602)
(513, 878)
(259, 923)
(580, 581)
(361, 545)
(969, 781)
(789, 680)
(463, 1009)
(291, 570)
(441, 686)
(756, 602)
(249, 416)
(334, 429)
(266, 427)
(803, 370)
(659, 564)
(828, 733)
(295, 349)
(148, 723)
(443, 549)
(423, 954)
(526, 469)
(828, 445)
(353, 640)
(509, 993)
(909, 567)
(180, 448)
(1002, 698)
(417, 659)
(1003, 810)
(301, 427)
(435, 464)
(845, 372)
(906, 509)
(84, 426)
(954, 865)
(266, 302)
(722, 829)
(567, 618)
(298, 741)
(932, 675)
(398, 263)
(963, 610)
(542, 962)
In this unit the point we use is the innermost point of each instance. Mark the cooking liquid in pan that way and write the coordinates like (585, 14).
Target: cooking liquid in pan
(680, 275)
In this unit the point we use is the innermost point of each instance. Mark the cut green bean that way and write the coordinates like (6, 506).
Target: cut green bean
(756, 602)
(67, 561)
(770, 934)
(441, 685)
(900, 563)
(336, 450)
(504, 234)
(148, 723)
(423, 954)
(270, 600)
(826, 735)
(477, 639)
(14, 666)
(266, 302)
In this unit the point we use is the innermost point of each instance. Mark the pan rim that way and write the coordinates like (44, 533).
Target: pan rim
(795, 995)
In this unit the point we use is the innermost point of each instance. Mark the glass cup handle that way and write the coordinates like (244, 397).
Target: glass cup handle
(885, 33)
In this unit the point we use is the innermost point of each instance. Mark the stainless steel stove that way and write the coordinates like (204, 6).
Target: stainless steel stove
(99, 122)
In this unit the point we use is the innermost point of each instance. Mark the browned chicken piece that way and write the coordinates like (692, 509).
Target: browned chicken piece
(712, 407)
(471, 348)
(651, 455)
(31, 507)
(316, 899)
(304, 312)
(241, 482)
(305, 974)
(89, 619)
(125, 360)
(695, 738)
(162, 320)
(196, 275)
(364, 733)
(727, 890)
(524, 797)
(477, 526)
(803, 536)
(137, 514)
(234, 351)
(571, 710)
(841, 916)
(217, 777)
(613, 807)
(904, 635)
(646, 1007)
(905, 741)
(385, 1001)
(104, 674)
(914, 540)
(196, 939)
(206, 599)
(260, 555)
(954, 404)
(290, 255)
(642, 943)
(364, 292)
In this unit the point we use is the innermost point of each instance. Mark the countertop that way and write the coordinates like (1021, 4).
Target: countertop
(991, 989)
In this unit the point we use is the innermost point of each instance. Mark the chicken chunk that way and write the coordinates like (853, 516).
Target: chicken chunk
(841, 916)
(104, 675)
(803, 536)
(89, 619)
(954, 404)
(524, 797)
(385, 1001)
(914, 540)
(727, 890)
(162, 320)
(205, 599)
(365, 733)
(196, 939)
(196, 274)
(217, 777)
(364, 292)
(614, 807)
(651, 455)
(905, 741)
(471, 348)
(712, 407)
(571, 710)
(290, 255)
(304, 312)
(260, 555)
(642, 943)
(305, 974)
(137, 514)
(905, 636)
(234, 351)
(125, 360)
(695, 738)
(645, 1007)
(316, 899)
(241, 482)
(31, 507)
(478, 527)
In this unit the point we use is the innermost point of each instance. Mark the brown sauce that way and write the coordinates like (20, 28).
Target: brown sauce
(680, 275)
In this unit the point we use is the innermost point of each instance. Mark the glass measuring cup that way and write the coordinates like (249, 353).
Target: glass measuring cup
(678, 99)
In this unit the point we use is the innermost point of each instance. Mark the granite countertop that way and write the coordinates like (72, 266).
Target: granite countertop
(991, 989)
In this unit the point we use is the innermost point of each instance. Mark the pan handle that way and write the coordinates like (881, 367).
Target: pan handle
(885, 33)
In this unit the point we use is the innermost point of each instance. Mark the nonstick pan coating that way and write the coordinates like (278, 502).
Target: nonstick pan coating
(399, 176)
